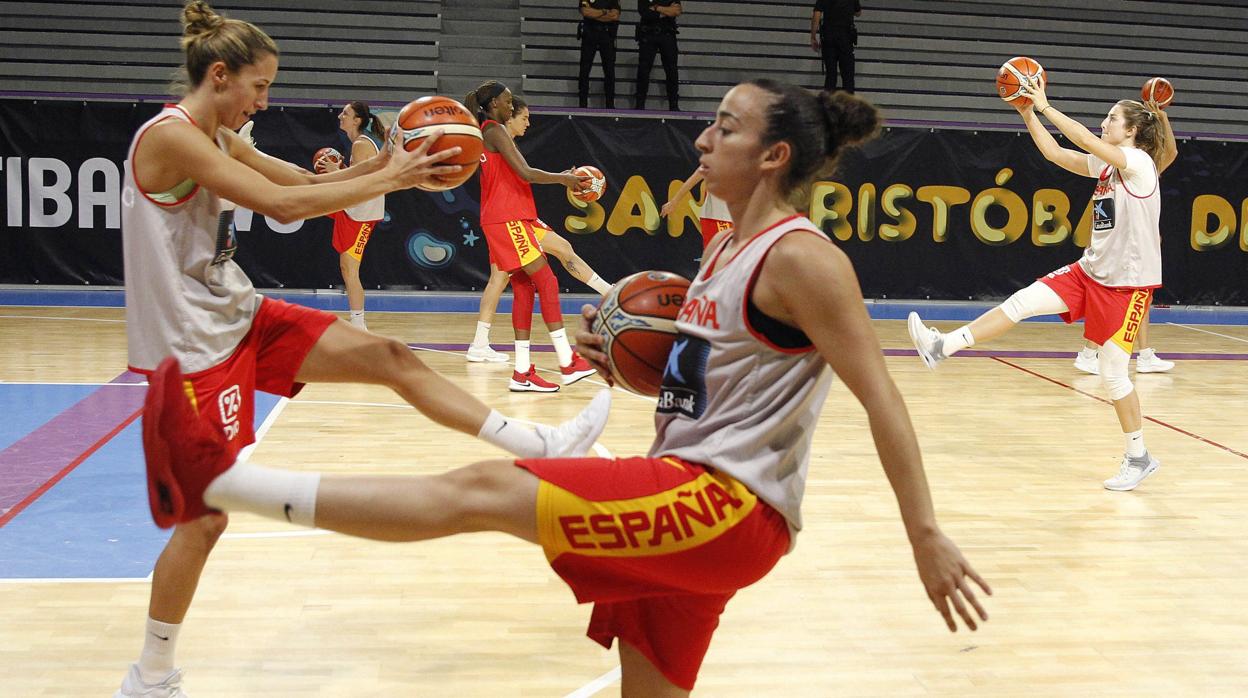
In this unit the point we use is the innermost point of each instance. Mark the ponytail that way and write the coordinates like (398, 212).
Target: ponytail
(368, 120)
(1147, 127)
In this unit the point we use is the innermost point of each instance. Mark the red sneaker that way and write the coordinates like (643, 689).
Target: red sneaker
(530, 382)
(184, 453)
(578, 369)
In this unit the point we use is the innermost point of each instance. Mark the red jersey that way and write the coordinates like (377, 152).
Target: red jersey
(505, 196)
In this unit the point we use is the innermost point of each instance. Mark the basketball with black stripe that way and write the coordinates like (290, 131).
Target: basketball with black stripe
(637, 318)
(1015, 73)
(458, 126)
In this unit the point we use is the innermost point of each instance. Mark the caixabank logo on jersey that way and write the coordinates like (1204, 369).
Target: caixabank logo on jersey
(684, 378)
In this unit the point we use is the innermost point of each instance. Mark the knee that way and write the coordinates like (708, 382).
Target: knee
(201, 534)
(1114, 376)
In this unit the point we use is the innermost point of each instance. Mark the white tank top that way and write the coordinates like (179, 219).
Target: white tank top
(1125, 251)
(185, 296)
(714, 208)
(731, 398)
(373, 209)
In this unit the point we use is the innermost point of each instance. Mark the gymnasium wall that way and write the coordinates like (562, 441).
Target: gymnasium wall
(946, 214)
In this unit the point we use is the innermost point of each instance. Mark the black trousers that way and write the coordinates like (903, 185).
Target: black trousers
(598, 38)
(665, 45)
(838, 51)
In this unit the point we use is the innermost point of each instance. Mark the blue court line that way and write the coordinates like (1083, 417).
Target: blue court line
(448, 302)
(95, 522)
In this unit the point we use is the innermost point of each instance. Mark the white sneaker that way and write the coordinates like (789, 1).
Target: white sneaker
(577, 435)
(1131, 473)
(1087, 362)
(134, 687)
(485, 353)
(1149, 362)
(928, 341)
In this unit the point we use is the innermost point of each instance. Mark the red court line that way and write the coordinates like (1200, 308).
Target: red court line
(30, 498)
(1154, 420)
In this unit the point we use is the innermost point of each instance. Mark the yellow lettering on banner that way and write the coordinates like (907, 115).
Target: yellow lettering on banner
(866, 212)
(942, 199)
(837, 211)
(685, 210)
(635, 208)
(591, 218)
(906, 222)
(1050, 206)
(1207, 237)
(1015, 209)
(1083, 231)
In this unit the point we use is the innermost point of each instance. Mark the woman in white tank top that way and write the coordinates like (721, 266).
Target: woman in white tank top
(768, 142)
(189, 305)
(1111, 286)
(354, 226)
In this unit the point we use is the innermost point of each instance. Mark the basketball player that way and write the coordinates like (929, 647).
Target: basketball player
(552, 243)
(715, 217)
(186, 297)
(661, 543)
(1111, 286)
(510, 223)
(353, 226)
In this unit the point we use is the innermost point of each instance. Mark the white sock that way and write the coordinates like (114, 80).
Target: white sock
(522, 355)
(482, 337)
(563, 350)
(958, 340)
(1135, 443)
(159, 641)
(278, 494)
(357, 318)
(510, 436)
(595, 282)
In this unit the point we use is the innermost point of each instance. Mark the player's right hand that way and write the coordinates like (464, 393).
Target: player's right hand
(420, 167)
(589, 344)
(667, 209)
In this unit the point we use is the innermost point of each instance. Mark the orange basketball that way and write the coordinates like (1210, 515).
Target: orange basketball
(1015, 73)
(637, 318)
(1157, 90)
(330, 154)
(459, 128)
(597, 183)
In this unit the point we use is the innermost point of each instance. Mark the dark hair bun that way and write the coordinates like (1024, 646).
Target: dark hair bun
(849, 120)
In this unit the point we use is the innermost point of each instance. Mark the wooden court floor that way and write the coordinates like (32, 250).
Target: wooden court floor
(1097, 593)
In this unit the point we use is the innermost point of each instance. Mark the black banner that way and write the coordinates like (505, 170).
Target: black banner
(944, 214)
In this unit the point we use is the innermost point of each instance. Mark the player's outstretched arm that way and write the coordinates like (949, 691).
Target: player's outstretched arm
(808, 283)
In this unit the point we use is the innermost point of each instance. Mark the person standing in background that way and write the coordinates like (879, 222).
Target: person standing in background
(833, 36)
(656, 33)
(599, 24)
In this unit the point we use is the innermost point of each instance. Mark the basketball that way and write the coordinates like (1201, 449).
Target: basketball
(597, 185)
(459, 128)
(1157, 90)
(329, 154)
(1015, 73)
(637, 318)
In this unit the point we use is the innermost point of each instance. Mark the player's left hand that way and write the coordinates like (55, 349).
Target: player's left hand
(1035, 91)
(944, 573)
(589, 344)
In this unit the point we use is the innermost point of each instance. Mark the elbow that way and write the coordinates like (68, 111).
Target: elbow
(284, 213)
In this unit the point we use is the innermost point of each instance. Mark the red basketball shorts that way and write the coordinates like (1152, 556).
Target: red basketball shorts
(267, 359)
(712, 227)
(350, 235)
(1109, 314)
(658, 545)
(515, 243)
